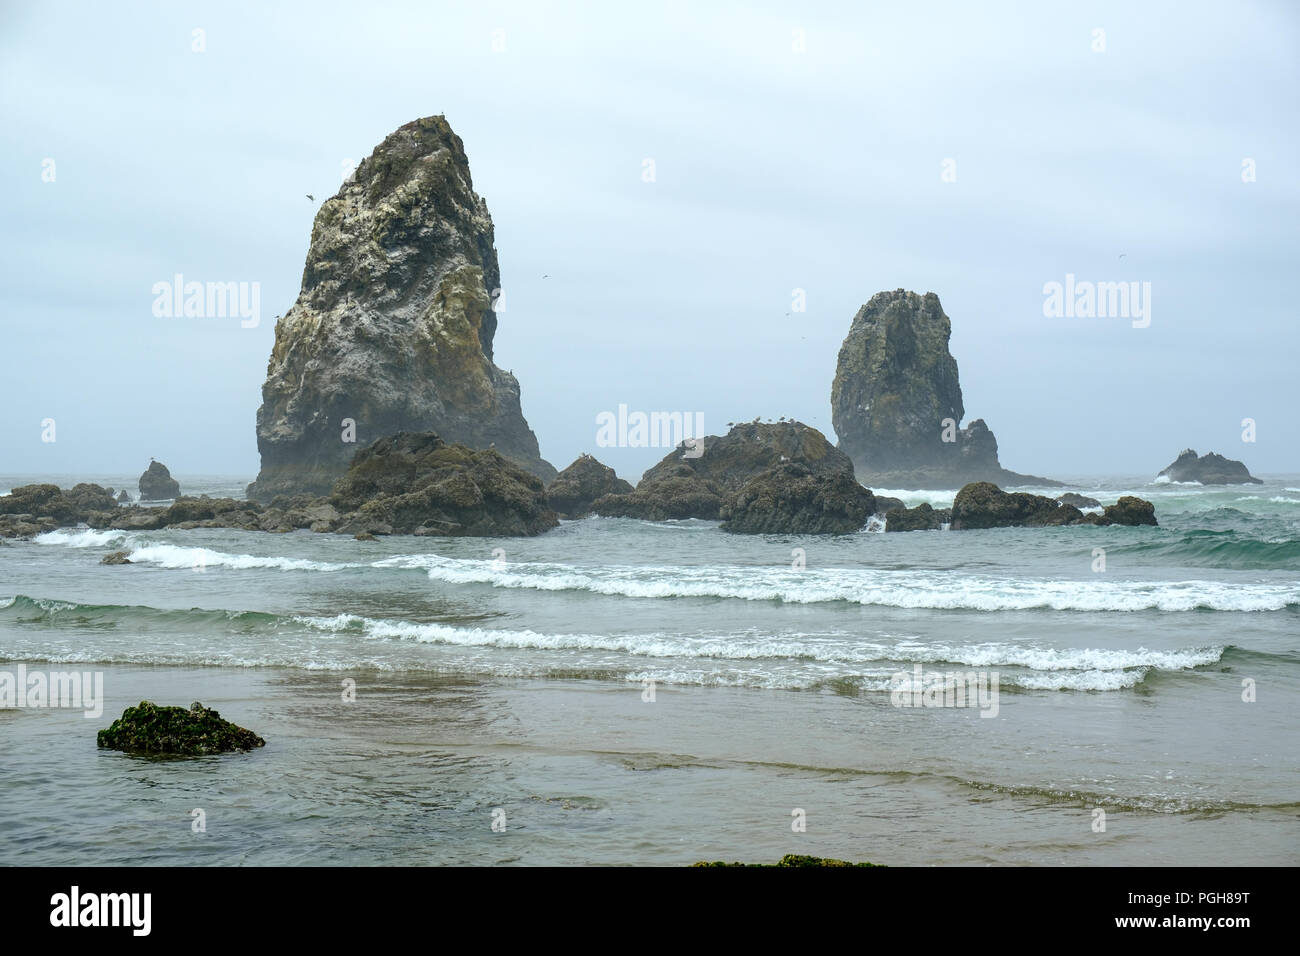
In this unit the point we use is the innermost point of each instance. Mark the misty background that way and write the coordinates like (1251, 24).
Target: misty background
(776, 169)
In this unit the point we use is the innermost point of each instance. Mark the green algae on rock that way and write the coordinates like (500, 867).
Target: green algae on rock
(150, 729)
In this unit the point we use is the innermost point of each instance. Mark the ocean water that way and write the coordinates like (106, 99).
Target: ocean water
(627, 692)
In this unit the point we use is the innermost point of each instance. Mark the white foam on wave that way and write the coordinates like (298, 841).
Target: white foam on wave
(83, 537)
(1080, 680)
(936, 590)
(912, 497)
(177, 556)
(1040, 658)
(838, 649)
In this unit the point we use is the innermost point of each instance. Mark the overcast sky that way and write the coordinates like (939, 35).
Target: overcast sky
(776, 169)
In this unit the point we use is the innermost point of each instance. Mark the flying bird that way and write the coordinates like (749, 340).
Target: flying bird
(311, 197)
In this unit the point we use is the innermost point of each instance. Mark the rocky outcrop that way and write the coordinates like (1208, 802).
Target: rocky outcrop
(415, 483)
(403, 484)
(150, 729)
(896, 401)
(157, 483)
(574, 490)
(984, 505)
(34, 509)
(697, 487)
(885, 504)
(123, 498)
(1209, 469)
(117, 557)
(1128, 510)
(921, 518)
(792, 498)
(393, 329)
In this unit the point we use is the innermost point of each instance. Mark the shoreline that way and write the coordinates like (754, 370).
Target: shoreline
(585, 772)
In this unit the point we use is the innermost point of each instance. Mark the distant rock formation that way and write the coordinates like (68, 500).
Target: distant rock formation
(697, 487)
(923, 517)
(401, 484)
(1209, 469)
(896, 401)
(157, 483)
(34, 509)
(572, 492)
(791, 498)
(393, 328)
(984, 505)
(415, 483)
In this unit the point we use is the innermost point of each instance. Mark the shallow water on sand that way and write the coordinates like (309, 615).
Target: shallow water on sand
(518, 680)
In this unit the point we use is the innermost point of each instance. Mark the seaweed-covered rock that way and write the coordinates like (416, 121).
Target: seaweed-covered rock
(695, 482)
(393, 328)
(24, 525)
(982, 504)
(921, 518)
(52, 502)
(150, 729)
(1209, 469)
(791, 498)
(117, 557)
(32, 500)
(157, 483)
(415, 483)
(1131, 511)
(985, 505)
(572, 492)
(671, 496)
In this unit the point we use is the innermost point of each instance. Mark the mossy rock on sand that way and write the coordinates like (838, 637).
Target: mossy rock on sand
(792, 859)
(150, 729)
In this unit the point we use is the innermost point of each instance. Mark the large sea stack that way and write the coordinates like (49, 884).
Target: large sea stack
(896, 398)
(1210, 469)
(392, 330)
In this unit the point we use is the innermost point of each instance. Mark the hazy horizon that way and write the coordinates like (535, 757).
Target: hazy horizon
(777, 169)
